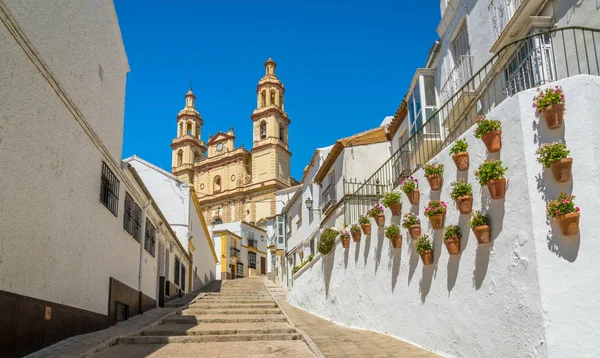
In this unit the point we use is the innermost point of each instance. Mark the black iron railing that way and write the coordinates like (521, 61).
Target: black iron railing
(234, 251)
(252, 243)
(526, 63)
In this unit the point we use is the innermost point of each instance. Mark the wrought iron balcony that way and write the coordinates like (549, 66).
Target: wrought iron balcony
(252, 243)
(500, 12)
(234, 251)
(328, 198)
(460, 74)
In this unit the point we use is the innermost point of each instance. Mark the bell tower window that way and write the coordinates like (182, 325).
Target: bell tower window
(263, 130)
(272, 97)
(281, 133)
(217, 184)
(189, 129)
(263, 98)
(179, 157)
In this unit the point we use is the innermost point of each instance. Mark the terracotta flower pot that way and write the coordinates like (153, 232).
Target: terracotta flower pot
(493, 141)
(415, 231)
(380, 219)
(435, 181)
(345, 242)
(427, 257)
(356, 235)
(465, 204)
(569, 223)
(461, 160)
(562, 169)
(497, 188)
(414, 197)
(553, 115)
(366, 228)
(437, 221)
(482, 233)
(396, 241)
(453, 245)
(396, 209)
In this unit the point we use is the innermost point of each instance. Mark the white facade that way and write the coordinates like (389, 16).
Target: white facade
(176, 201)
(531, 292)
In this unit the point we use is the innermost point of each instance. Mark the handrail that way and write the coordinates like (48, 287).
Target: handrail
(522, 64)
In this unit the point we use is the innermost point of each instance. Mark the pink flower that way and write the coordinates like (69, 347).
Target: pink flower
(556, 212)
(577, 208)
(566, 201)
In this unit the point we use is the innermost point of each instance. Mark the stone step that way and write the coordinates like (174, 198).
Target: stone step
(192, 329)
(209, 305)
(213, 311)
(233, 299)
(208, 338)
(201, 319)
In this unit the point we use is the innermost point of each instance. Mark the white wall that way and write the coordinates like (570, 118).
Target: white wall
(531, 292)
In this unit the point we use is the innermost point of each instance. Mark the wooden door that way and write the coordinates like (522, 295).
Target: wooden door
(263, 265)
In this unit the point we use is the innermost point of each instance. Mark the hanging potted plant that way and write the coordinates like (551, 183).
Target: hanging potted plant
(327, 240)
(489, 131)
(392, 232)
(436, 212)
(460, 155)
(391, 200)
(452, 239)
(410, 187)
(423, 247)
(480, 224)
(462, 193)
(556, 157)
(345, 239)
(355, 232)
(365, 224)
(491, 173)
(566, 214)
(376, 212)
(413, 224)
(551, 104)
(433, 173)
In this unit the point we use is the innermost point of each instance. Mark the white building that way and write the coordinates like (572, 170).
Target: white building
(180, 205)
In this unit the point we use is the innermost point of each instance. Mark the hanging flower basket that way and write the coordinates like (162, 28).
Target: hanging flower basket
(413, 224)
(561, 169)
(491, 173)
(433, 173)
(365, 224)
(436, 212)
(554, 115)
(480, 224)
(392, 232)
(556, 157)
(410, 187)
(566, 214)
(550, 102)
(462, 193)
(424, 249)
(355, 232)
(391, 200)
(376, 212)
(452, 239)
(460, 156)
(489, 131)
(345, 239)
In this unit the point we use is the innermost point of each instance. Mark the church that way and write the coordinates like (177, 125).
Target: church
(237, 184)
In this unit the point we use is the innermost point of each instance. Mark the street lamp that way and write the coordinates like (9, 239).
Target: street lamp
(309, 204)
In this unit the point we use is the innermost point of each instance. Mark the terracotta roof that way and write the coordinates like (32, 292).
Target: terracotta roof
(376, 135)
(399, 116)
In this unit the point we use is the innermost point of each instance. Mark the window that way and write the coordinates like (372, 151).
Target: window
(176, 272)
(180, 129)
(251, 260)
(137, 221)
(217, 221)
(240, 269)
(150, 238)
(109, 190)
(217, 184)
(263, 130)
(189, 129)
(273, 97)
(280, 101)
(460, 44)
(179, 157)
(128, 214)
(263, 98)
(182, 278)
(281, 133)
(197, 157)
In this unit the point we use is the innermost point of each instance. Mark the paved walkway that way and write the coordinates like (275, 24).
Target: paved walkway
(85, 344)
(337, 341)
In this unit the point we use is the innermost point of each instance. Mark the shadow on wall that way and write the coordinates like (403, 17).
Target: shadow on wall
(327, 265)
(379, 248)
(454, 260)
(413, 261)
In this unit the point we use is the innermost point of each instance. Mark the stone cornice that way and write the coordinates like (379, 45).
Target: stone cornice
(179, 142)
(259, 115)
(265, 146)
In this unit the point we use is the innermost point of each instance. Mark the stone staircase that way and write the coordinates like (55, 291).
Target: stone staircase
(276, 290)
(239, 321)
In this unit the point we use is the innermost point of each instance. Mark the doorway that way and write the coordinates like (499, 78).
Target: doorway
(263, 265)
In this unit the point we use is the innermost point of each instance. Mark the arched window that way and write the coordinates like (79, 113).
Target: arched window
(273, 97)
(281, 133)
(179, 157)
(189, 129)
(180, 129)
(197, 157)
(217, 184)
(263, 130)
(280, 101)
(217, 221)
(263, 98)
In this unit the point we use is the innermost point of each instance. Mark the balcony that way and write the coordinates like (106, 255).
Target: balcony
(252, 243)
(501, 12)
(460, 74)
(328, 198)
(234, 252)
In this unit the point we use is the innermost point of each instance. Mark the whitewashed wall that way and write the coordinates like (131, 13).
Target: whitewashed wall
(531, 292)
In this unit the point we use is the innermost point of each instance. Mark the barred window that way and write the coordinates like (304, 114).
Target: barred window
(182, 278)
(177, 265)
(109, 190)
(251, 260)
(150, 239)
(137, 222)
(128, 214)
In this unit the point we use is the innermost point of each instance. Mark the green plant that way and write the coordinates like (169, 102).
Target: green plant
(297, 268)
(435, 207)
(392, 230)
(478, 219)
(409, 185)
(548, 97)
(363, 220)
(550, 152)
(459, 146)
(311, 257)
(327, 240)
(345, 235)
(409, 220)
(484, 126)
(355, 227)
(376, 210)
(460, 188)
(450, 231)
(390, 198)
(490, 169)
(562, 205)
(433, 169)
(423, 244)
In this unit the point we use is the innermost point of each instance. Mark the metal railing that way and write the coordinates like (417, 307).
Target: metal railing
(328, 197)
(500, 12)
(459, 75)
(252, 243)
(234, 251)
(526, 63)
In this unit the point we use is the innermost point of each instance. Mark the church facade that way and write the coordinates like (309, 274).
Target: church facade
(236, 184)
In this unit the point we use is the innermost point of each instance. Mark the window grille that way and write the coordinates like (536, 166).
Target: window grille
(251, 260)
(109, 190)
(150, 239)
(137, 222)
(177, 266)
(182, 278)
(122, 311)
(128, 214)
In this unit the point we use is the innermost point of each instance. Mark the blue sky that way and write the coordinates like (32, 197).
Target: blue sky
(345, 65)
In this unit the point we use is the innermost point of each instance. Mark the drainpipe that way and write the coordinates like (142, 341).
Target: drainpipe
(142, 239)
